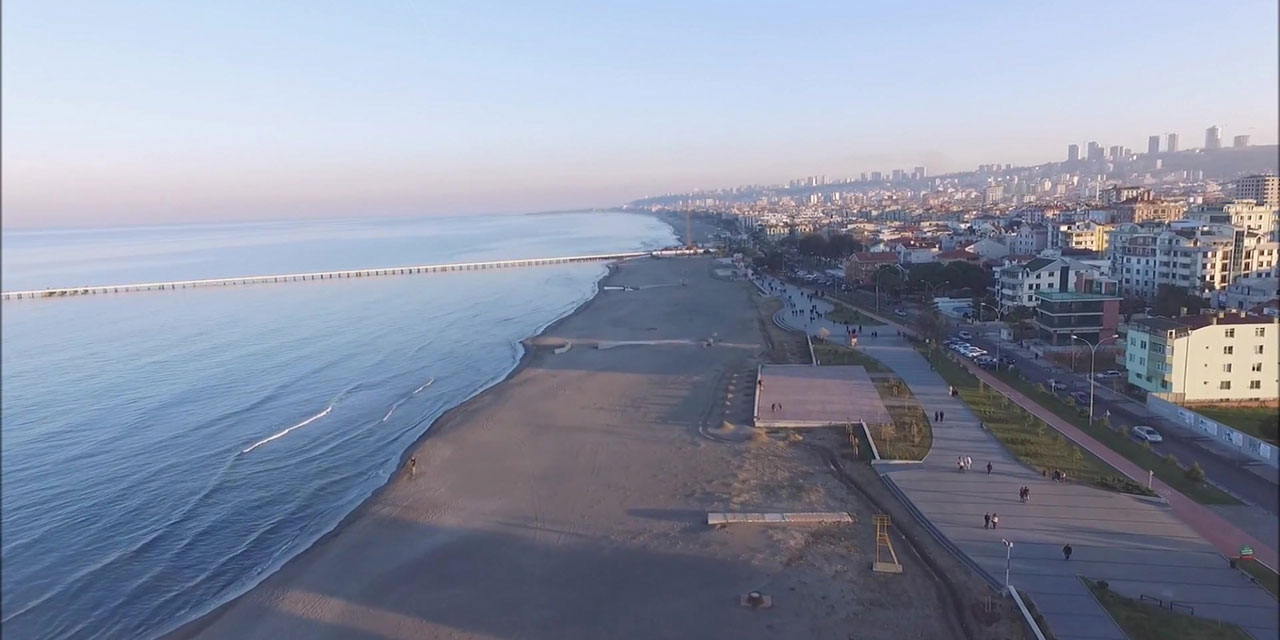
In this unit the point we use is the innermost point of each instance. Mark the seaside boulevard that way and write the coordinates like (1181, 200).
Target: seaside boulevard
(570, 501)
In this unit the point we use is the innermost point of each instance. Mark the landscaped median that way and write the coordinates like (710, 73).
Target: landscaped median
(1140, 620)
(1029, 439)
(910, 435)
(845, 314)
(1188, 481)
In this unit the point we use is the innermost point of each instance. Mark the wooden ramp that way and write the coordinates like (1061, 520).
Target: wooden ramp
(812, 517)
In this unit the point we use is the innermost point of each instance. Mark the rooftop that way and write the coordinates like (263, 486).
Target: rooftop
(1199, 321)
(1071, 296)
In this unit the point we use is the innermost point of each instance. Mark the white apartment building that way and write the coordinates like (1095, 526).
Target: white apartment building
(1201, 259)
(1239, 213)
(1264, 190)
(1017, 283)
(1205, 358)
(1028, 240)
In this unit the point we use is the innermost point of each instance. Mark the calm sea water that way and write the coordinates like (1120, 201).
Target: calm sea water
(164, 451)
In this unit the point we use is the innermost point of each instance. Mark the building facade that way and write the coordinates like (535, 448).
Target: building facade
(1264, 190)
(1018, 283)
(1200, 259)
(1086, 235)
(1243, 214)
(1091, 312)
(1205, 358)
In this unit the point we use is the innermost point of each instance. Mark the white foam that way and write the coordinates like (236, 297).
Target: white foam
(296, 426)
(391, 410)
(424, 386)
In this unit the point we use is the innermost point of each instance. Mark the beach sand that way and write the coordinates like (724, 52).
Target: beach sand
(570, 501)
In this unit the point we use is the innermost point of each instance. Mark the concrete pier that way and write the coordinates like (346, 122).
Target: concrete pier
(324, 275)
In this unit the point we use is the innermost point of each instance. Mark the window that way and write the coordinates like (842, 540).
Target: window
(1131, 357)
(1225, 384)
(1144, 344)
(1228, 350)
(1226, 368)
(1231, 333)
(1255, 384)
(1260, 332)
(1257, 349)
(1257, 366)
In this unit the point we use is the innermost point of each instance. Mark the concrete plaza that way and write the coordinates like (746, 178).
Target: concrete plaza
(794, 396)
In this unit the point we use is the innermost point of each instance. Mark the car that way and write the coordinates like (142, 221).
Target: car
(1057, 386)
(1143, 432)
(974, 352)
(985, 361)
(1111, 373)
(965, 335)
(900, 313)
(1080, 397)
(1007, 360)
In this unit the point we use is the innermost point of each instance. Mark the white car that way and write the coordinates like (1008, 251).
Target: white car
(974, 352)
(1149, 434)
(1112, 373)
(965, 335)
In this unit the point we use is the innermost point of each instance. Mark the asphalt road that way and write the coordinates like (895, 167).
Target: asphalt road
(1221, 468)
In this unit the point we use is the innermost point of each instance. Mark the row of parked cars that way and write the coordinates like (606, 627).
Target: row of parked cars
(979, 355)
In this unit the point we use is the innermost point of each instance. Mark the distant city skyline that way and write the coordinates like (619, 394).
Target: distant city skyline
(175, 113)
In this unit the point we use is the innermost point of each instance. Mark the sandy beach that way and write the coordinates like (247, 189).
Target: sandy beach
(570, 501)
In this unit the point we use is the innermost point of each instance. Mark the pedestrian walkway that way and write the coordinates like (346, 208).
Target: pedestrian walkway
(1139, 545)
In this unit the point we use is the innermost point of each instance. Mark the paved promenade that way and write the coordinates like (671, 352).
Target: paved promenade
(1139, 545)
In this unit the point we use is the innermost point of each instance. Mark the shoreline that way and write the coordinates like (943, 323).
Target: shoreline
(194, 626)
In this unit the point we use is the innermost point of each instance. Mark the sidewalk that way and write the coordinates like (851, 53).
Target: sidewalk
(1126, 540)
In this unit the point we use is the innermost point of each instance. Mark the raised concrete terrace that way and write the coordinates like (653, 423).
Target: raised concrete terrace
(816, 396)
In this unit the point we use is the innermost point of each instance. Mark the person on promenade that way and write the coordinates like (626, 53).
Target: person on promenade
(968, 462)
(988, 467)
(1066, 552)
(942, 416)
(995, 521)
(960, 465)
(986, 521)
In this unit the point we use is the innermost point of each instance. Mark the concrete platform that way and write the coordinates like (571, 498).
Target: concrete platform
(809, 517)
(816, 396)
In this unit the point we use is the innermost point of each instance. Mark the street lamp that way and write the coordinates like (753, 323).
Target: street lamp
(999, 315)
(934, 287)
(1008, 558)
(880, 272)
(1093, 352)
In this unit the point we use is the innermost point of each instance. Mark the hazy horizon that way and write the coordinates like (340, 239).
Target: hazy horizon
(158, 114)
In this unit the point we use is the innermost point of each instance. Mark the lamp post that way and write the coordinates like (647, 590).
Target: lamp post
(999, 315)
(1093, 352)
(880, 272)
(1008, 559)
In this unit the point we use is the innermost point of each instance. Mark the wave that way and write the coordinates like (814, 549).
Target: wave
(424, 386)
(286, 431)
(392, 409)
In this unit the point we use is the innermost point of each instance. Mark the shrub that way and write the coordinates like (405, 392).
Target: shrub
(1195, 473)
(1172, 459)
(1103, 585)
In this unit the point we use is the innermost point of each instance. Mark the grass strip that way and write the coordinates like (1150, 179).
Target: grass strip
(1142, 621)
(1265, 576)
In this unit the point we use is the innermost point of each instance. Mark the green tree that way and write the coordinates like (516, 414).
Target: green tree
(1171, 300)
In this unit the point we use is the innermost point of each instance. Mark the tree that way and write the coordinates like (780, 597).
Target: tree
(813, 244)
(1131, 305)
(1171, 300)
(962, 275)
(931, 326)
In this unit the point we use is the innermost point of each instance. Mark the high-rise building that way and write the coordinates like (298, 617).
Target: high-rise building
(876, 176)
(1213, 138)
(898, 175)
(920, 173)
(863, 177)
(1240, 142)
(1115, 152)
(1153, 145)
(1171, 144)
(1095, 152)
(1073, 152)
(1264, 190)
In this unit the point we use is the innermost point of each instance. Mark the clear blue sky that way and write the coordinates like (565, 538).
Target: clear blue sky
(135, 112)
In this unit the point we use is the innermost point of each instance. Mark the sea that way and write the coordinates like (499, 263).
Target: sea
(162, 452)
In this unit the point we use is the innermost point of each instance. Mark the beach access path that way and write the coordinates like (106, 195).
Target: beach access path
(1139, 545)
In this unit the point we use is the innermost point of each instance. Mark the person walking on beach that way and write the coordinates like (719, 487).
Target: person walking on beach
(988, 467)
(413, 465)
(1066, 552)
(986, 521)
(995, 521)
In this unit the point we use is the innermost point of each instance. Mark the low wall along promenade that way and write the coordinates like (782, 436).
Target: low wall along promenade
(1246, 444)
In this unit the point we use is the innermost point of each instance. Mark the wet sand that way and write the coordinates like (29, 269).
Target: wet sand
(569, 501)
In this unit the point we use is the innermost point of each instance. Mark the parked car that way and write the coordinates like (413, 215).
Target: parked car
(1111, 373)
(1057, 386)
(965, 335)
(985, 361)
(900, 313)
(961, 347)
(1143, 432)
(974, 352)
(1007, 360)
(1080, 397)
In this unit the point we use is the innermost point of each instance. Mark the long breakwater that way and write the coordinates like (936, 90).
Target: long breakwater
(326, 275)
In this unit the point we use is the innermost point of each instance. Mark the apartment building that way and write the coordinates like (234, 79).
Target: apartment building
(1205, 358)
(1086, 235)
(1244, 214)
(862, 266)
(1017, 283)
(1091, 312)
(1264, 190)
(1028, 240)
(1149, 210)
(1199, 258)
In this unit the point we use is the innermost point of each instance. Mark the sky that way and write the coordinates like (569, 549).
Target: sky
(157, 112)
